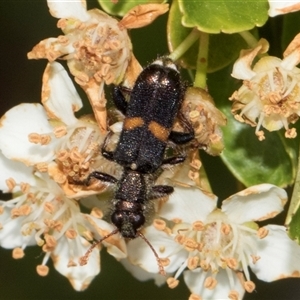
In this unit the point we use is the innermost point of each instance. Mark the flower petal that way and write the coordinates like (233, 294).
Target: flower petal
(68, 9)
(11, 234)
(279, 255)
(59, 96)
(195, 280)
(15, 127)
(140, 254)
(256, 203)
(79, 276)
(115, 244)
(15, 170)
(282, 7)
(141, 274)
(242, 67)
(292, 54)
(188, 205)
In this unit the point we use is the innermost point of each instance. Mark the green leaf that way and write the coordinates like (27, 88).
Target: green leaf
(293, 214)
(215, 16)
(120, 8)
(251, 161)
(294, 225)
(223, 48)
(290, 28)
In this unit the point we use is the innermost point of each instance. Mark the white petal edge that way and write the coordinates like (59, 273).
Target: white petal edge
(279, 256)
(242, 66)
(255, 203)
(282, 7)
(60, 97)
(195, 282)
(79, 276)
(68, 9)
(115, 245)
(141, 274)
(10, 235)
(15, 170)
(15, 127)
(188, 205)
(140, 254)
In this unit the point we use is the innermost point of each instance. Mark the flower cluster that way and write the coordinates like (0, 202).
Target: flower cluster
(42, 163)
(213, 247)
(46, 163)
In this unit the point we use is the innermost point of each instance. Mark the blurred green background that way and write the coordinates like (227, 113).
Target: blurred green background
(24, 24)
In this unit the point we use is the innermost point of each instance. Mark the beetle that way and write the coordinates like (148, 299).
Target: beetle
(155, 102)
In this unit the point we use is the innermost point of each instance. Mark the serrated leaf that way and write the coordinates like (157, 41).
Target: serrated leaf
(251, 161)
(223, 48)
(224, 16)
(120, 8)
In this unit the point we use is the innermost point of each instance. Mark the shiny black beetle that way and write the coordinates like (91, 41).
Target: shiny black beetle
(150, 113)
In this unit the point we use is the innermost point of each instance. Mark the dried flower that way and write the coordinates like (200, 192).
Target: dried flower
(97, 50)
(206, 119)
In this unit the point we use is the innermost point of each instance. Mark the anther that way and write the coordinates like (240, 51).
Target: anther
(42, 270)
(172, 282)
(210, 283)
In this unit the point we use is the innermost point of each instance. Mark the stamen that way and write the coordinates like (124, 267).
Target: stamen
(11, 183)
(233, 295)
(193, 262)
(210, 283)
(195, 297)
(42, 270)
(97, 213)
(159, 224)
(249, 286)
(18, 253)
(262, 232)
(172, 282)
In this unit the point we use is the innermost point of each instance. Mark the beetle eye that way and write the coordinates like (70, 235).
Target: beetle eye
(117, 218)
(137, 220)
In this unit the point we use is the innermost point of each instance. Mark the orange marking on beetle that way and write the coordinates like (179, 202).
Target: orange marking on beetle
(131, 123)
(160, 132)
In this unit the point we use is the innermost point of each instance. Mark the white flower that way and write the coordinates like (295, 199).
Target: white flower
(40, 214)
(45, 150)
(52, 139)
(282, 7)
(214, 247)
(269, 96)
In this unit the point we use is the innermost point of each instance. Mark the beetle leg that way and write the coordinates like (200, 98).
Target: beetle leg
(173, 160)
(109, 155)
(182, 137)
(119, 99)
(102, 177)
(159, 191)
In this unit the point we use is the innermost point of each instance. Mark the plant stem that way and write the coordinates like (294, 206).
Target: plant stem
(201, 70)
(185, 45)
(295, 201)
(249, 38)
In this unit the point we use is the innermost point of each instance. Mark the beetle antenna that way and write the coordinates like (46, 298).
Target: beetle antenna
(160, 265)
(84, 259)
